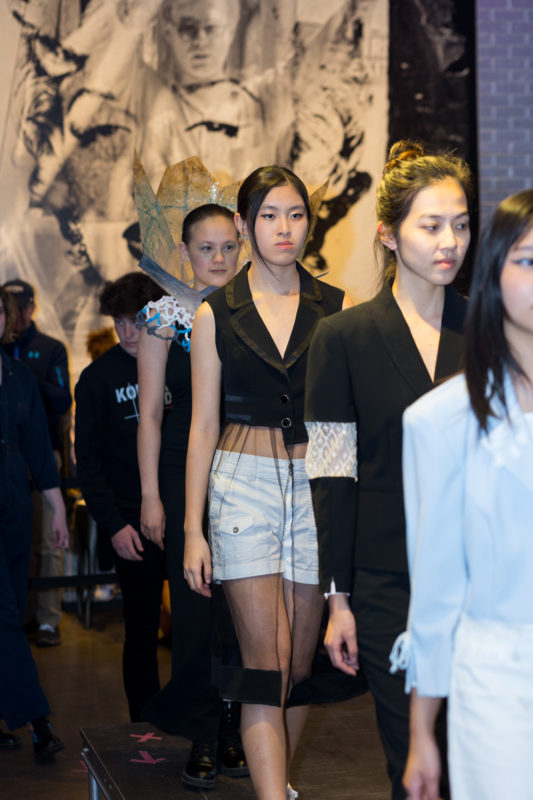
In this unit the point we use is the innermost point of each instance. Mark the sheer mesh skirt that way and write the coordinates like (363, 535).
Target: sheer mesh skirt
(265, 563)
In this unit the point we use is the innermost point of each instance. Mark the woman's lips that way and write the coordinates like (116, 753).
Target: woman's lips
(446, 263)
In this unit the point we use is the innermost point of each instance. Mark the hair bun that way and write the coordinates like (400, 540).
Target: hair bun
(401, 150)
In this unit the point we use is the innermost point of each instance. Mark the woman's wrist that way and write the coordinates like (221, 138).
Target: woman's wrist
(193, 530)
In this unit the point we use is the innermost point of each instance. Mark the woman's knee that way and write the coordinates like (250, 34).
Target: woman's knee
(300, 671)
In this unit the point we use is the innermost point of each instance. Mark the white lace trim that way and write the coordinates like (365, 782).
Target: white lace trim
(332, 450)
(167, 312)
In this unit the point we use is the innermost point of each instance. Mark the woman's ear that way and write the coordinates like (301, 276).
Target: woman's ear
(386, 236)
(241, 225)
(184, 252)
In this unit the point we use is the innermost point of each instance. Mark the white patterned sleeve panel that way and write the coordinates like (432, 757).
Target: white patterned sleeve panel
(332, 450)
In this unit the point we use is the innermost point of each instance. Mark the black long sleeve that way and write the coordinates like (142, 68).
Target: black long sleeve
(106, 438)
(328, 398)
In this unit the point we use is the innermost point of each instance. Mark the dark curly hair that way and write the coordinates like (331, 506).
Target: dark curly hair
(126, 296)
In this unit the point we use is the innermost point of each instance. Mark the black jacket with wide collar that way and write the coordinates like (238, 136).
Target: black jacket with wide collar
(261, 387)
(365, 368)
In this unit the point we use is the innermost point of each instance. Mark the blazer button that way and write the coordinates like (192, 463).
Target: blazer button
(286, 422)
(284, 398)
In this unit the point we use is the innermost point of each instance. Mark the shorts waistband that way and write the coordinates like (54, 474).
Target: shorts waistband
(228, 462)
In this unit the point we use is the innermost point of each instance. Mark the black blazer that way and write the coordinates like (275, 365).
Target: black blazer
(364, 367)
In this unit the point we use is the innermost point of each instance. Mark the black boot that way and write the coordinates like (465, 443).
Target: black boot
(231, 758)
(201, 768)
(45, 742)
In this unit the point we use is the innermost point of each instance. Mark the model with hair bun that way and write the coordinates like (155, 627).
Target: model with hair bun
(469, 525)
(379, 358)
(250, 340)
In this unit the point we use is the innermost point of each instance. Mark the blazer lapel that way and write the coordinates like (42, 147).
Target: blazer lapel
(450, 355)
(250, 328)
(247, 323)
(402, 349)
(310, 311)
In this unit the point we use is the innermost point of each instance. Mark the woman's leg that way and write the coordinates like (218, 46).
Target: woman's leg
(259, 615)
(305, 605)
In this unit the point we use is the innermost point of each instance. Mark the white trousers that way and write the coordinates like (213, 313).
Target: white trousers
(490, 712)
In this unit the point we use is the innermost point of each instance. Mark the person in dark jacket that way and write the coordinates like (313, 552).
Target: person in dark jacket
(47, 358)
(24, 448)
(107, 414)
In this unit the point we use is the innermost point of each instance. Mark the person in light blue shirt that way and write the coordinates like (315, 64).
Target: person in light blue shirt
(468, 478)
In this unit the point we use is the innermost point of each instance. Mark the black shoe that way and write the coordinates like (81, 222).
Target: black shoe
(46, 743)
(201, 768)
(9, 741)
(231, 758)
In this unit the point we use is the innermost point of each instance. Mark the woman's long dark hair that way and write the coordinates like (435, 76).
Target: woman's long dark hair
(487, 352)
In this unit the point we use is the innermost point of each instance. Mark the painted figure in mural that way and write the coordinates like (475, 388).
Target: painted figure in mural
(250, 341)
(190, 105)
(236, 83)
(413, 329)
(470, 630)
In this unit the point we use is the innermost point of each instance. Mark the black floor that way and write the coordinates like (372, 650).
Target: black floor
(339, 757)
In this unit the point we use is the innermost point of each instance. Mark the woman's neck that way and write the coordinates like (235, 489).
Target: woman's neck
(418, 297)
(273, 279)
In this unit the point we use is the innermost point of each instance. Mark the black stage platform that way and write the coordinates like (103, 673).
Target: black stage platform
(339, 759)
(137, 762)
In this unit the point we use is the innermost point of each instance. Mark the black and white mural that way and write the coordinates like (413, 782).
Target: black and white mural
(320, 87)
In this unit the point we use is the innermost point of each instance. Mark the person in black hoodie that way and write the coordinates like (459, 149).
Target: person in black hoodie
(107, 414)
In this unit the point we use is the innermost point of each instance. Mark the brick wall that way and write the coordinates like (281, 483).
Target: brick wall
(505, 99)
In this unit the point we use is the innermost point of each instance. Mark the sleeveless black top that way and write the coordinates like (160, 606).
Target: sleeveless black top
(260, 387)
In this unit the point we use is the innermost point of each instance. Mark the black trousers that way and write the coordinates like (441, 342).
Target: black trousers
(380, 602)
(189, 705)
(141, 583)
(21, 696)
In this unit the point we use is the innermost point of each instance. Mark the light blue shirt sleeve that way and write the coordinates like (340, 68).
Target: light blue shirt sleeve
(434, 491)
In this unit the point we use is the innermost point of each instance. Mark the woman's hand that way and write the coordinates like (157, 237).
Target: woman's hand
(422, 771)
(197, 564)
(127, 543)
(60, 532)
(153, 520)
(341, 635)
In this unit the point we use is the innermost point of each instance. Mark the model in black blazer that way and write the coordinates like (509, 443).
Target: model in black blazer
(364, 368)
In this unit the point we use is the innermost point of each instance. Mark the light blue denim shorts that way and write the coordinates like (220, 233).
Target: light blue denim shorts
(261, 519)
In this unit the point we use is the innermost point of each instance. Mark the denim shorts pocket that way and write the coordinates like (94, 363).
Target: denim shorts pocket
(234, 522)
